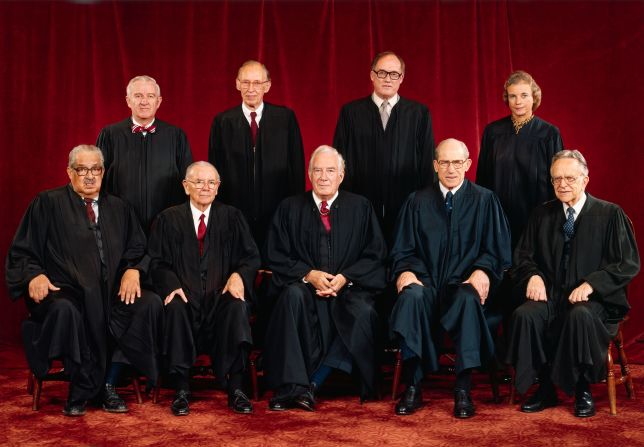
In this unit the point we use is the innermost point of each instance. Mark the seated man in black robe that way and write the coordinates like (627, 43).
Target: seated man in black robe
(204, 262)
(327, 255)
(573, 263)
(74, 255)
(452, 244)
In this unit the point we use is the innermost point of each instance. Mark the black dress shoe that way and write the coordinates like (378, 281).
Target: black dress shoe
(584, 405)
(409, 402)
(280, 404)
(239, 402)
(543, 398)
(463, 406)
(306, 400)
(112, 402)
(74, 409)
(180, 405)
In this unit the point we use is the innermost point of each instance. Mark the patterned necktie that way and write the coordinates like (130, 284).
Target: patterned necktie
(201, 232)
(90, 210)
(569, 225)
(253, 127)
(141, 129)
(448, 202)
(324, 215)
(384, 115)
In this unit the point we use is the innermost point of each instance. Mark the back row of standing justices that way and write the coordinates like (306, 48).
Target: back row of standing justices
(388, 148)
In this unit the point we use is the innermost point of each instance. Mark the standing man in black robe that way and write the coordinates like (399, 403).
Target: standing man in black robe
(204, 263)
(327, 255)
(74, 255)
(573, 262)
(257, 148)
(451, 247)
(387, 142)
(145, 158)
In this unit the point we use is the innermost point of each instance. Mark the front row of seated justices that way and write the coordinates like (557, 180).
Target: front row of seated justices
(79, 259)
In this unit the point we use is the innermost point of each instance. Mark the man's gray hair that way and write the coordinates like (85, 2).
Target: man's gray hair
(325, 149)
(254, 62)
(90, 148)
(192, 167)
(145, 78)
(466, 153)
(575, 155)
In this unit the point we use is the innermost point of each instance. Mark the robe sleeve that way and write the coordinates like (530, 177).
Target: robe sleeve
(341, 141)
(135, 256)
(549, 147)
(485, 165)
(216, 145)
(295, 157)
(496, 253)
(184, 154)
(426, 145)
(104, 143)
(245, 252)
(404, 252)
(25, 259)
(524, 264)
(282, 258)
(621, 259)
(368, 272)
(161, 253)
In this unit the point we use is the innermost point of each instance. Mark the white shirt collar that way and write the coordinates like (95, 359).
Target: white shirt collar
(444, 189)
(136, 123)
(196, 215)
(259, 110)
(329, 202)
(577, 206)
(378, 100)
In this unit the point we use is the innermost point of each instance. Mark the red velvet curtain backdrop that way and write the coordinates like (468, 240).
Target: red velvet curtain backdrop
(64, 67)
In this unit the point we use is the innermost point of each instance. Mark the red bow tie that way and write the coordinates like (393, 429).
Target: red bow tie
(140, 129)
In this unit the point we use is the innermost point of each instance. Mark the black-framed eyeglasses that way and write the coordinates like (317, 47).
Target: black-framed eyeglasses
(201, 184)
(83, 170)
(247, 84)
(556, 181)
(382, 74)
(444, 164)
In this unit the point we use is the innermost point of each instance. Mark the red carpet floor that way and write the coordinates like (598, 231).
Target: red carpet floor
(339, 420)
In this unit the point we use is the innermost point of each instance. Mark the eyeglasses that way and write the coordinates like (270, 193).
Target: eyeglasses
(444, 164)
(556, 181)
(382, 74)
(200, 184)
(247, 84)
(83, 170)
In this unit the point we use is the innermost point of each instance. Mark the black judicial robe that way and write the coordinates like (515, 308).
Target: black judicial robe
(55, 238)
(603, 253)
(146, 171)
(385, 165)
(256, 181)
(517, 167)
(444, 252)
(357, 250)
(176, 263)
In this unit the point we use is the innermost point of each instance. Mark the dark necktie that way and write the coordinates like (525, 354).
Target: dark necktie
(201, 232)
(90, 210)
(448, 202)
(253, 127)
(324, 215)
(141, 129)
(569, 225)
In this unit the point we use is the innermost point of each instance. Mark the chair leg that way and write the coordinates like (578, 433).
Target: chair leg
(252, 369)
(623, 363)
(137, 389)
(156, 390)
(35, 406)
(610, 381)
(512, 387)
(397, 371)
(30, 383)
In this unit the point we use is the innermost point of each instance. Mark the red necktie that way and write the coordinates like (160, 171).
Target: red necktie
(253, 127)
(90, 210)
(324, 215)
(141, 129)
(201, 232)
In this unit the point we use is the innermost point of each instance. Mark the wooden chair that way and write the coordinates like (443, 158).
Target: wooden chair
(623, 372)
